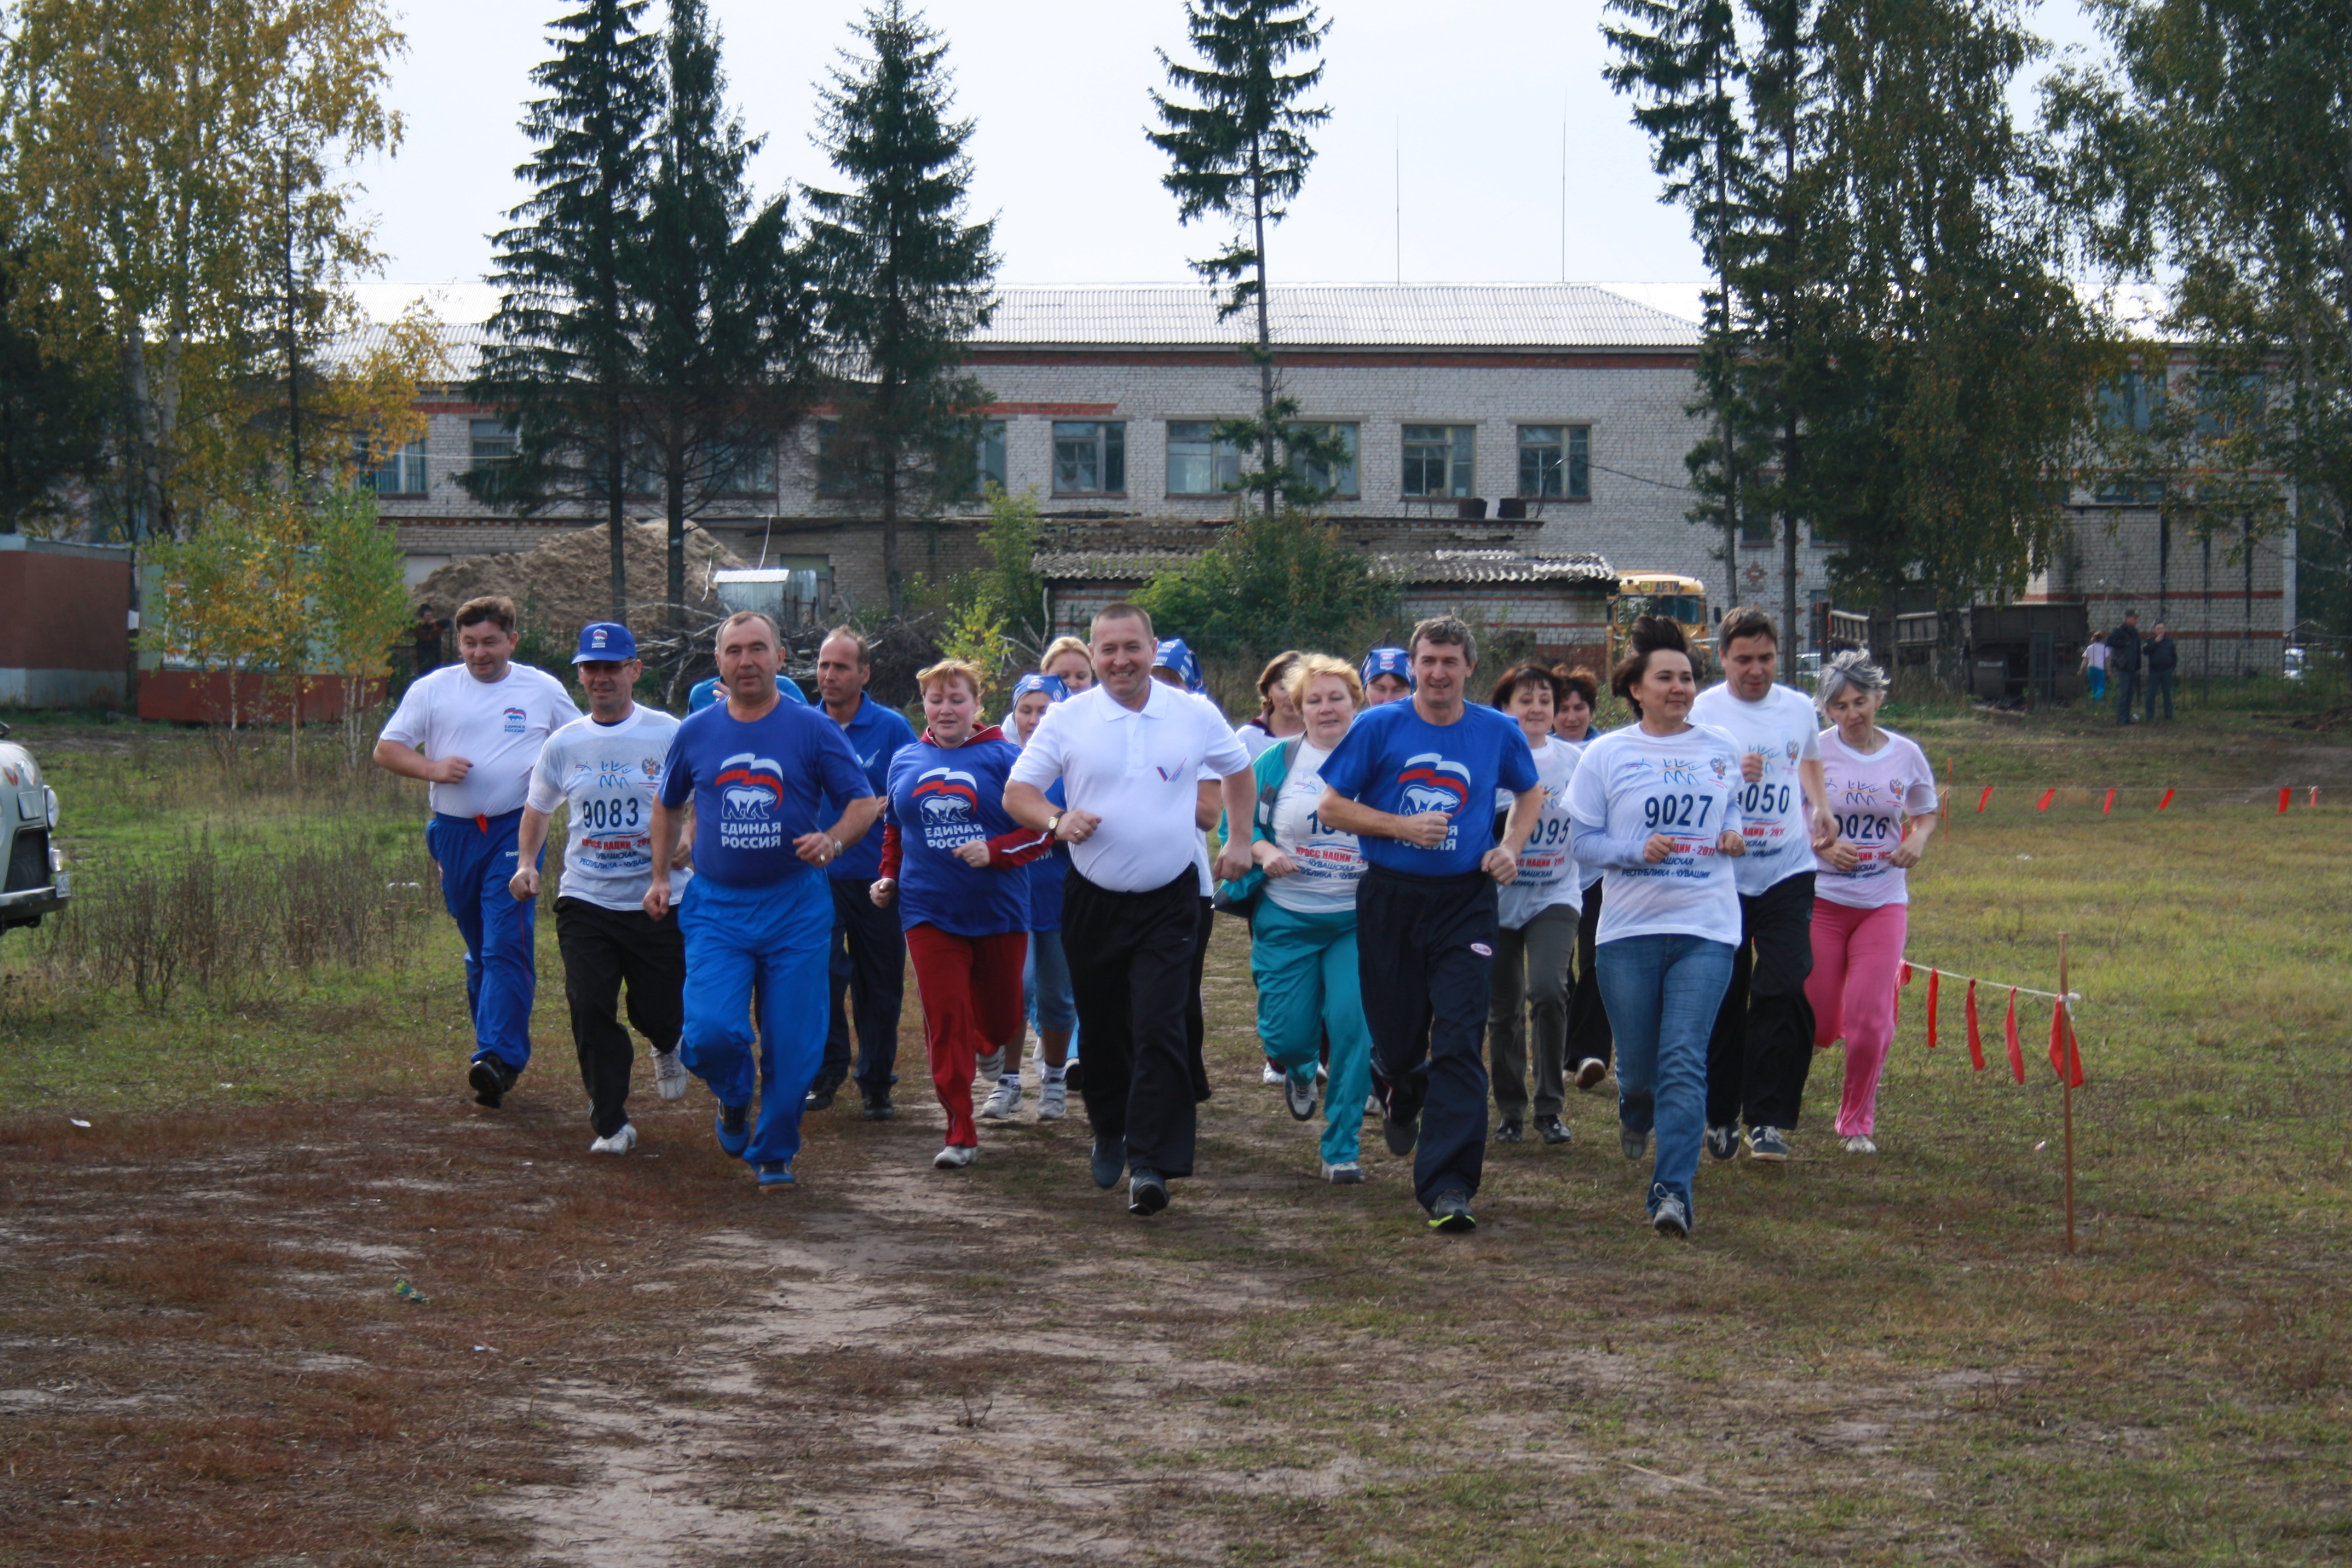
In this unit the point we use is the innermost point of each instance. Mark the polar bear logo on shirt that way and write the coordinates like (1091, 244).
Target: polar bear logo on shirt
(751, 789)
(1430, 783)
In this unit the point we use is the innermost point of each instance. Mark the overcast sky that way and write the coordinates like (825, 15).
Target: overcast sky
(1469, 114)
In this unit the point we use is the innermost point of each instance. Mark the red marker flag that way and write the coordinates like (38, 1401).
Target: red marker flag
(2109, 809)
(2016, 1052)
(2047, 797)
(2167, 800)
(1976, 1041)
(1983, 798)
(1932, 977)
(2315, 797)
(1903, 975)
(2287, 792)
(2065, 1057)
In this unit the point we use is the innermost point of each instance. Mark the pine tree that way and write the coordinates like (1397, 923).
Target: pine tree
(902, 281)
(723, 320)
(1242, 152)
(563, 358)
(52, 415)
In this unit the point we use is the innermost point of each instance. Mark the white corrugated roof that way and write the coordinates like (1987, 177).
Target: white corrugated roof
(1339, 315)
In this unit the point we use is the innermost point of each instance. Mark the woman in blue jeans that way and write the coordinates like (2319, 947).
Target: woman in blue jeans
(1656, 804)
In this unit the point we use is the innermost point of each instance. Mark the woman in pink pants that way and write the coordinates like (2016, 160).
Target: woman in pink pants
(1884, 795)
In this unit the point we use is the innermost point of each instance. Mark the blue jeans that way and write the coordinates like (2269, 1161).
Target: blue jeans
(1662, 993)
(477, 857)
(1046, 984)
(764, 945)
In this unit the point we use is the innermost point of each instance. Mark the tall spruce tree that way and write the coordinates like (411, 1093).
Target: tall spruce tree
(52, 415)
(1681, 61)
(562, 359)
(723, 320)
(1242, 152)
(902, 281)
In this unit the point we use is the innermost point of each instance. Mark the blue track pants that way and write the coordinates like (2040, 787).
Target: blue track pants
(764, 945)
(1308, 986)
(477, 856)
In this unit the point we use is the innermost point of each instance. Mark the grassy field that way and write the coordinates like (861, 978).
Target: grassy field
(1882, 1361)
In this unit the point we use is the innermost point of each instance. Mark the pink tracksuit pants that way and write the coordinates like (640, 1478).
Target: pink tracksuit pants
(1856, 956)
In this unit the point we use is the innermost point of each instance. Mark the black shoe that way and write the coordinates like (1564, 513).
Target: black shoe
(879, 1110)
(1401, 1136)
(1109, 1161)
(1509, 1133)
(1147, 1194)
(490, 1079)
(1553, 1129)
(821, 1095)
(1449, 1212)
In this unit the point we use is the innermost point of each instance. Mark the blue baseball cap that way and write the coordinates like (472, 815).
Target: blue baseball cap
(602, 641)
(1389, 662)
(1172, 655)
(1053, 685)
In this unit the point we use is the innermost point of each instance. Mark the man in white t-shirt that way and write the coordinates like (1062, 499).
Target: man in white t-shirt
(1762, 1047)
(473, 732)
(1129, 754)
(607, 769)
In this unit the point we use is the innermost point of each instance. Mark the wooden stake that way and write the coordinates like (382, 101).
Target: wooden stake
(2066, 1082)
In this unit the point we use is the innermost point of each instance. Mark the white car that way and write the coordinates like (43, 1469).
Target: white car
(36, 882)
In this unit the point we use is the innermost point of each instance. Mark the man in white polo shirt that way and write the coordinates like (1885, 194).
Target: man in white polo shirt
(1128, 753)
(473, 732)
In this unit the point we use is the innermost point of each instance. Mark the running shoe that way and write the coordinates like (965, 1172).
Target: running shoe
(1273, 1076)
(1299, 1094)
(879, 1109)
(1449, 1213)
(1508, 1131)
(775, 1174)
(954, 1157)
(1003, 1100)
(1146, 1193)
(1401, 1136)
(669, 1074)
(1670, 1216)
(490, 1079)
(1767, 1143)
(1346, 1173)
(735, 1128)
(1553, 1129)
(1053, 1099)
(1723, 1142)
(821, 1095)
(1860, 1145)
(1108, 1159)
(1372, 1105)
(991, 1065)
(619, 1142)
(1632, 1145)
(1589, 1072)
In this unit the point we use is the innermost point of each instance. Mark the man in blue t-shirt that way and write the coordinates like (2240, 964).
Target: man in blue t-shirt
(1414, 782)
(757, 913)
(866, 964)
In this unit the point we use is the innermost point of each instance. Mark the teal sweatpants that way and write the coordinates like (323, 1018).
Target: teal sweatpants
(1305, 966)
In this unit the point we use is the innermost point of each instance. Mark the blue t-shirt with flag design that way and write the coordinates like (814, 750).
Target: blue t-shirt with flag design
(1393, 760)
(757, 787)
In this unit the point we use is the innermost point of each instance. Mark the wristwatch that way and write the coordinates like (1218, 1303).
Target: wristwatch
(1054, 824)
(836, 847)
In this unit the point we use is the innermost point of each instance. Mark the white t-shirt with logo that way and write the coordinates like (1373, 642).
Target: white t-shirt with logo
(1871, 795)
(1630, 784)
(609, 776)
(1548, 872)
(1783, 727)
(1331, 863)
(499, 726)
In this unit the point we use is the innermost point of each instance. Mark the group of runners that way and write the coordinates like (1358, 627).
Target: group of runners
(1696, 900)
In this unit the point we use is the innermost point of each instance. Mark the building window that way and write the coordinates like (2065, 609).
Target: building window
(494, 440)
(1756, 530)
(988, 457)
(1556, 462)
(840, 470)
(1089, 457)
(399, 473)
(744, 467)
(1198, 463)
(1439, 459)
(1338, 476)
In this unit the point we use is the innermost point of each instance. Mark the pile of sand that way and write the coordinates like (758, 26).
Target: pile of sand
(568, 582)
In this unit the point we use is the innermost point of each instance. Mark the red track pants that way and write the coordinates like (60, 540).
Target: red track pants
(971, 987)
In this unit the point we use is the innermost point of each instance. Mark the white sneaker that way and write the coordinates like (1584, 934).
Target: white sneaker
(1003, 1101)
(1273, 1076)
(620, 1143)
(1859, 1146)
(1346, 1173)
(669, 1074)
(991, 1065)
(954, 1157)
(1053, 1101)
